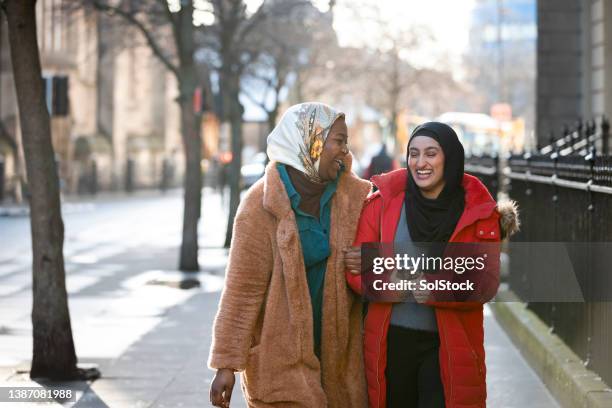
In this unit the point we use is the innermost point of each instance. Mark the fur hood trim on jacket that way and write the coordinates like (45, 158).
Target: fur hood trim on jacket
(509, 221)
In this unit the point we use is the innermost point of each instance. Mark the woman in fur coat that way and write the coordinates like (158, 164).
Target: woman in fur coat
(287, 320)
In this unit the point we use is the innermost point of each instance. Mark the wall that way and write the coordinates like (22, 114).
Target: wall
(574, 63)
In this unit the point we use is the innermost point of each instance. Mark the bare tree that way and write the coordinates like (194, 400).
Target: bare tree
(328, 68)
(379, 71)
(234, 41)
(157, 21)
(285, 44)
(394, 78)
(53, 355)
(228, 37)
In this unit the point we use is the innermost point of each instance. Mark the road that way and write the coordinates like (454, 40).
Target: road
(150, 338)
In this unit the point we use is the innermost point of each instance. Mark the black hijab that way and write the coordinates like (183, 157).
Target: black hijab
(434, 220)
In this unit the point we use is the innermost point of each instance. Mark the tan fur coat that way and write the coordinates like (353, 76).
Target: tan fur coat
(264, 324)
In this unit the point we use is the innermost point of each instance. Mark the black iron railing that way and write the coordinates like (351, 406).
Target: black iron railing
(582, 139)
(486, 168)
(564, 192)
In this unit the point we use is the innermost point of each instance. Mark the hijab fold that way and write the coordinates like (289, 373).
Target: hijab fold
(434, 220)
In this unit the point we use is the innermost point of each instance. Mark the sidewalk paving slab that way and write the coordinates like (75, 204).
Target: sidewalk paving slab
(559, 367)
(163, 364)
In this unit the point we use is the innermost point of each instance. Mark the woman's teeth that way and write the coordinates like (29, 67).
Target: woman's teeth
(424, 173)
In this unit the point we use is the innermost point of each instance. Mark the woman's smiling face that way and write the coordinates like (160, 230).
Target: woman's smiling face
(334, 150)
(426, 164)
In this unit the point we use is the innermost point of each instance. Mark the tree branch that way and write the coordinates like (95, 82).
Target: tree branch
(256, 101)
(169, 15)
(261, 15)
(130, 18)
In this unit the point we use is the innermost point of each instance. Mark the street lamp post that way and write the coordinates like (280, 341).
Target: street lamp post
(2, 164)
(501, 97)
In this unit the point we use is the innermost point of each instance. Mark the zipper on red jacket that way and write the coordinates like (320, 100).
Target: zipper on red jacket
(478, 364)
(442, 333)
(385, 323)
(380, 221)
(380, 238)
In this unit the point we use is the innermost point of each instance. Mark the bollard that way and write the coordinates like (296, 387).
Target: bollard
(2, 178)
(93, 183)
(165, 176)
(129, 176)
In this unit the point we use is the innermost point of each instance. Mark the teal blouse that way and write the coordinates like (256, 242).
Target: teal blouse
(314, 237)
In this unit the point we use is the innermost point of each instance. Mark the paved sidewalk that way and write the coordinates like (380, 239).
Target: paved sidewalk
(141, 332)
(82, 202)
(511, 383)
(166, 367)
(151, 341)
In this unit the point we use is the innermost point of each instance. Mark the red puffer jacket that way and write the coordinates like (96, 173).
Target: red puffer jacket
(460, 325)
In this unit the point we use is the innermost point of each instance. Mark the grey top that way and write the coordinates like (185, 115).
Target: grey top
(410, 314)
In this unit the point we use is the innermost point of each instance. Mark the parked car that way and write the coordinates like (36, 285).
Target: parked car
(253, 171)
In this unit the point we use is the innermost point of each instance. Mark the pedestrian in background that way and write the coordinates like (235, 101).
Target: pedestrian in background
(287, 319)
(431, 354)
(381, 163)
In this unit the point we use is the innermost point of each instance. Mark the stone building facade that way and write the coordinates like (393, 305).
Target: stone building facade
(574, 63)
(121, 129)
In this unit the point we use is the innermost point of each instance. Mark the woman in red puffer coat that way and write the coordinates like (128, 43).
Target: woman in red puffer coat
(429, 355)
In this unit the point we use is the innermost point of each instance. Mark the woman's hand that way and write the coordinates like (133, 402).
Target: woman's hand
(421, 295)
(352, 259)
(221, 387)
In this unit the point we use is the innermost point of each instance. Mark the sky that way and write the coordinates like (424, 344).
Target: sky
(447, 20)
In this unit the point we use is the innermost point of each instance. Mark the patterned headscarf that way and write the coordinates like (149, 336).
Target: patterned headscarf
(297, 140)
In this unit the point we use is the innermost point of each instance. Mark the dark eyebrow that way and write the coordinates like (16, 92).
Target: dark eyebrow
(427, 148)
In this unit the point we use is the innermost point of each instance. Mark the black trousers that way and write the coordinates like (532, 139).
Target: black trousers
(413, 369)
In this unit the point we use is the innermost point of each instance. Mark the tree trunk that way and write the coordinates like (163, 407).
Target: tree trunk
(272, 119)
(53, 350)
(394, 99)
(235, 117)
(193, 187)
(192, 142)
(393, 128)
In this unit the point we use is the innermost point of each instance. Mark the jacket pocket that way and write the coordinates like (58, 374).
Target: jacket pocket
(251, 377)
(270, 376)
(487, 229)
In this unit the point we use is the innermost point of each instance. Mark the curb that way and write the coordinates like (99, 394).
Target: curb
(556, 364)
(20, 211)
(77, 203)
